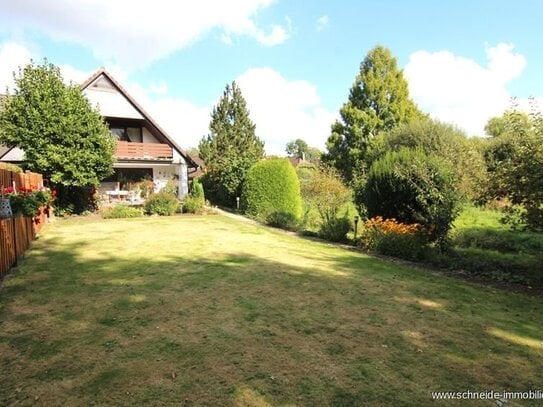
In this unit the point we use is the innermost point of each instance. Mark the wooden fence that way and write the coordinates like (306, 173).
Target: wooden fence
(17, 233)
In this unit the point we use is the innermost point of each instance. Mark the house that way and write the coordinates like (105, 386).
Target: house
(144, 150)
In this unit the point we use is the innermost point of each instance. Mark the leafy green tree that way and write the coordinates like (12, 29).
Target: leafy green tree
(441, 139)
(515, 165)
(62, 136)
(299, 148)
(296, 148)
(378, 101)
(231, 147)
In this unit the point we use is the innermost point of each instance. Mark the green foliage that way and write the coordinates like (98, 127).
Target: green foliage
(299, 148)
(122, 211)
(62, 136)
(10, 167)
(75, 200)
(404, 246)
(193, 204)
(197, 190)
(161, 203)
(443, 140)
(378, 101)
(271, 186)
(171, 187)
(282, 220)
(324, 190)
(24, 205)
(28, 203)
(413, 188)
(335, 229)
(230, 149)
(515, 165)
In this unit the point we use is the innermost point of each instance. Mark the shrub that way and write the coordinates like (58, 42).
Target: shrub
(323, 190)
(283, 220)
(335, 229)
(193, 205)
(392, 238)
(76, 200)
(171, 187)
(10, 167)
(122, 211)
(162, 204)
(28, 203)
(271, 186)
(444, 140)
(197, 190)
(412, 187)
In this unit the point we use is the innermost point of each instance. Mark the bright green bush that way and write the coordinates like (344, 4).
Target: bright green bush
(161, 203)
(193, 205)
(413, 188)
(122, 211)
(271, 186)
(197, 190)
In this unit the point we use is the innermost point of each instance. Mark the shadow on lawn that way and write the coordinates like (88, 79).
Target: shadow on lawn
(346, 330)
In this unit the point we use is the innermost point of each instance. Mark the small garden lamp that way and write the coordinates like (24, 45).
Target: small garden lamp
(356, 219)
(237, 202)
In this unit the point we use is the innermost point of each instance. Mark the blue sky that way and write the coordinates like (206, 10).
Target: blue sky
(294, 60)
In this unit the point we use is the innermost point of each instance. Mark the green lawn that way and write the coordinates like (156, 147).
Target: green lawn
(485, 245)
(212, 311)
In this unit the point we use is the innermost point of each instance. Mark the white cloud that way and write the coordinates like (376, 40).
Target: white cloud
(284, 110)
(136, 32)
(12, 56)
(181, 119)
(322, 22)
(459, 90)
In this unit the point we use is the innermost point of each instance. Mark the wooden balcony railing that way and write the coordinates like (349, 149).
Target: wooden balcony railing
(141, 151)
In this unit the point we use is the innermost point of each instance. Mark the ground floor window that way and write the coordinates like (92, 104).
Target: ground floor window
(126, 177)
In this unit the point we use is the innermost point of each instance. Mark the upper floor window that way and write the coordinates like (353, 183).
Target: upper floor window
(130, 134)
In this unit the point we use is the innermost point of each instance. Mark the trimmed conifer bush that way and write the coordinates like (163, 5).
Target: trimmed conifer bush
(412, 188)
(271, 187)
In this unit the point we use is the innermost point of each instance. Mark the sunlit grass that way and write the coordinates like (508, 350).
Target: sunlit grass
(205, 310)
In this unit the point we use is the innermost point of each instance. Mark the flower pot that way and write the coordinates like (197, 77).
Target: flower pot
(5, 208)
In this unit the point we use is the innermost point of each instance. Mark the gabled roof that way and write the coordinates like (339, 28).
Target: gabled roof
(140, 110)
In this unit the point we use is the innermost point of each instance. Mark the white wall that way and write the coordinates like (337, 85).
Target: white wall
(162, 174)
(147, 137)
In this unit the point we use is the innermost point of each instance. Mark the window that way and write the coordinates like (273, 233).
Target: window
(119, 133)
(130, 134)
(134, 134)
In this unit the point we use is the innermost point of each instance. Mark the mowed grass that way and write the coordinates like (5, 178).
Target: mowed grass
(212, 311)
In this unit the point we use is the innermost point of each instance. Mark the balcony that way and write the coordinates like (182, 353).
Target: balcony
(143, 151)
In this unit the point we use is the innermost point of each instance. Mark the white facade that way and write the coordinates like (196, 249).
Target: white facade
(114, 103)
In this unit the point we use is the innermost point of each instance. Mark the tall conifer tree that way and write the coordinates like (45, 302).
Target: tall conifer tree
(378, 101)
(231, 147)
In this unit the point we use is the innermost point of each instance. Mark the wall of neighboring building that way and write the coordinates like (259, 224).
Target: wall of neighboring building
(14, 155)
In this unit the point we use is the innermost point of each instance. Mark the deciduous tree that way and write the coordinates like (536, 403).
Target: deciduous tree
(61, 134)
